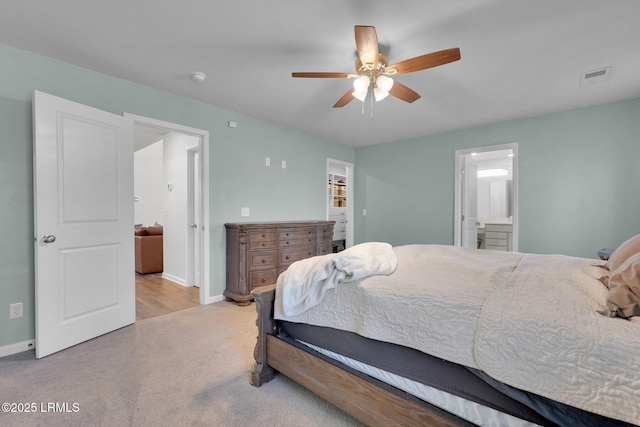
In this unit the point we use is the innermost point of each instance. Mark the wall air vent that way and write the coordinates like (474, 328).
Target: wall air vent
(596, 76)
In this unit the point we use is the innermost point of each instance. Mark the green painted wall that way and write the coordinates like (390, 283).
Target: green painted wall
(579, 173)
(239, 177)
(579, 185)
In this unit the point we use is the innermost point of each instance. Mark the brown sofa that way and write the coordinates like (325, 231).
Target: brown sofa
(149, 250)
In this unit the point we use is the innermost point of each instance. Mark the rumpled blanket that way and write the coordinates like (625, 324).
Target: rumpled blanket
(304, 284)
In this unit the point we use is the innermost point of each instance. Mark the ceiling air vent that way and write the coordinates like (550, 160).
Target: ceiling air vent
(596, 76)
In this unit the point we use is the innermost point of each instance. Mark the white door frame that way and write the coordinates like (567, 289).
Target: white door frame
(203, 137)
(469, 202)
(457, 211)
(194, 211)
(349, 168)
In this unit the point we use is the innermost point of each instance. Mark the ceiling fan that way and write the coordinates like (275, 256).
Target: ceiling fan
(373, 70)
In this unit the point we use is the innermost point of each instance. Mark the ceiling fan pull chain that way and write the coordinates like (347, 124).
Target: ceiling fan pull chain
(371, 99)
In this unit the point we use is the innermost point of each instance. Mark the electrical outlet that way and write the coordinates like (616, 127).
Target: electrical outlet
(16, 310)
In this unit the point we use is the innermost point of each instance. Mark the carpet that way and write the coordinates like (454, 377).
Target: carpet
(185, 368)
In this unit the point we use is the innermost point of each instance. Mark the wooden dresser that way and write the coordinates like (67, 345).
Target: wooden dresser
(258, 252)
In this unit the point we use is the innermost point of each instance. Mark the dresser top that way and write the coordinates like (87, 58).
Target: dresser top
(274, 224)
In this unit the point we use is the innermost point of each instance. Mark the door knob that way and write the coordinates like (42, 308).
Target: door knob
(48, 238)
(194, 225)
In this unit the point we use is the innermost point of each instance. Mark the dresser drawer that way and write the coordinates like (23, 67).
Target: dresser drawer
(324, 249)
(325, 238)
(262, 277)
(323, 230)
(496, 242)
(497, 248)
(496, 235)
(263, 244)
(296, 242)
(287, 256)
(263, 259)
(260, 236)
(297, 233)
(506, 228)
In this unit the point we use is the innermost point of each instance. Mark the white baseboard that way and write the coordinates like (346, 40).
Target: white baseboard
(174, 279)
(215, 298)
(18, 347)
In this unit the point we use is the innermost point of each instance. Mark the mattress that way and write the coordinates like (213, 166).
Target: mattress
(467, 393)
(447, 385)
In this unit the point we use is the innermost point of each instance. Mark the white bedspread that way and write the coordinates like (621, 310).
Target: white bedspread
(529, 321)
(541, 332)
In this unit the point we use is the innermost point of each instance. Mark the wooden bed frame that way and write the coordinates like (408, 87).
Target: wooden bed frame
(363, 399)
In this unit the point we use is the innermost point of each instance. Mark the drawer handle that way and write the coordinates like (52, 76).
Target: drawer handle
(309, 253)
(264, 244)
(286, 243)
(287, 257)
(263, 280)
(264, 260)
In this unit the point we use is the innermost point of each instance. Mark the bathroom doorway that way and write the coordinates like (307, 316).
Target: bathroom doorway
(486, 197)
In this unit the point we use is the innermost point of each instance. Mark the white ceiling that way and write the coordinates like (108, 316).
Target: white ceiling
(520, 58)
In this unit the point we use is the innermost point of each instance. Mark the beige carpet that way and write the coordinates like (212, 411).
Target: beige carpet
(186, 368)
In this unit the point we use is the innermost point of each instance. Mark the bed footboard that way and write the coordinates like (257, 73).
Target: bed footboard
(264, 297)
(366, 401)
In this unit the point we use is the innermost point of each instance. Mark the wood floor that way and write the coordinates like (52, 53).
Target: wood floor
(156, 296)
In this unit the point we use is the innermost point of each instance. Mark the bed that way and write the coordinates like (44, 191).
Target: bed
(446, 336)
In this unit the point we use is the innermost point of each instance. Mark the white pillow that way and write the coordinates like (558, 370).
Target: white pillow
(623, 252)
(624, 288)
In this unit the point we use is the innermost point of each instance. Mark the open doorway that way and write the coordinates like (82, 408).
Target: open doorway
(340, 202)
(171, 192)
(486, 197)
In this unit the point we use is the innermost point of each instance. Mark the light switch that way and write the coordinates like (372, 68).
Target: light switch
(244, 212)
(284, 164)
(267, 161)
(364, 212)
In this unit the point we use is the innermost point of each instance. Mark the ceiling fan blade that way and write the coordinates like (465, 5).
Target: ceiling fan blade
(346, 98)
(403, 92)
(367, 44)
(322, 75)
(423, 62)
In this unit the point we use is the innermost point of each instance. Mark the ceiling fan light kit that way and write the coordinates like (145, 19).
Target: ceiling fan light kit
(379, 94)
(361, 83)
(384, 83)
(373, 67)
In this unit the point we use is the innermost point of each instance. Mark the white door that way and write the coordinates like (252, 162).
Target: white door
(469, 203)
(83, 190)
